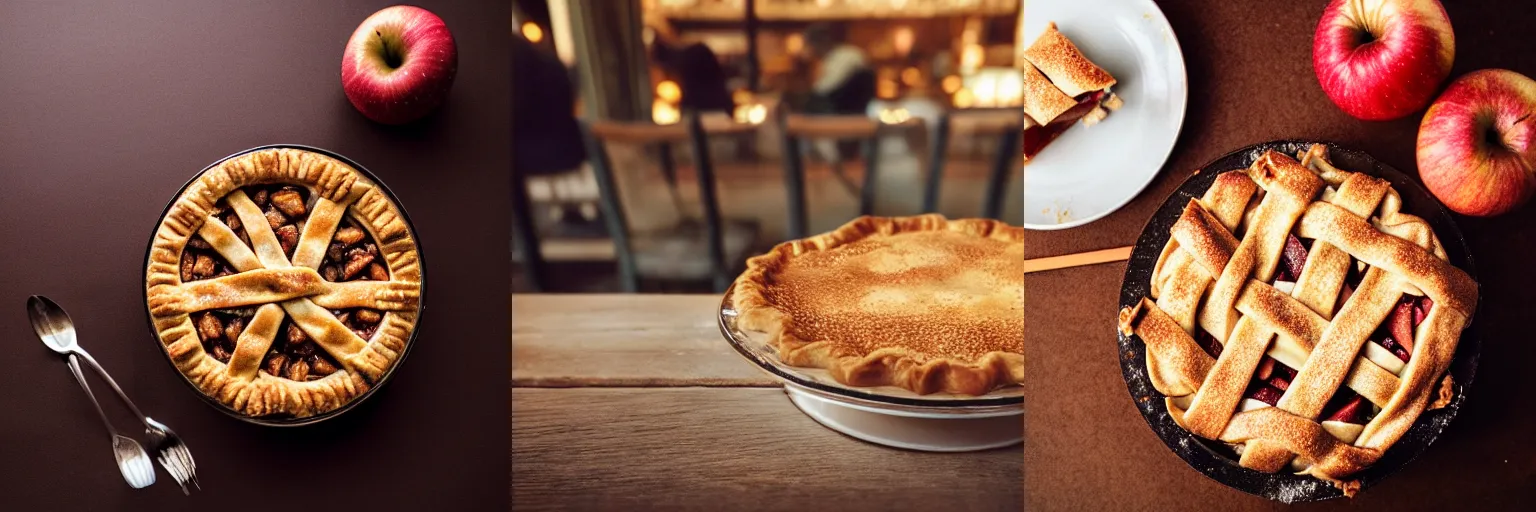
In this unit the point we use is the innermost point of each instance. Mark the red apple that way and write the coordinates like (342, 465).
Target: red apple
(1476, 150)
(399, 64)
(1382, 59)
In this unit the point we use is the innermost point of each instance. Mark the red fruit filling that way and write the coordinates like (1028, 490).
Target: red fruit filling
(1292, 259)
(1263, 393)
(1347, 407)
(1270, 381)
(1036, 137)
(1396, 334)
(1208, 342)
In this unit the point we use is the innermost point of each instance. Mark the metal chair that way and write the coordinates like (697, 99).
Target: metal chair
(1007, 124)
(796, 128)
(721, 238)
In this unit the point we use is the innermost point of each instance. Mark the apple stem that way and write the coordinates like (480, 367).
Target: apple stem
(1518, 137)
(391, 58)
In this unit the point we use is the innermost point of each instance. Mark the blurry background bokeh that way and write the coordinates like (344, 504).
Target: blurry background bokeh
(628, 113)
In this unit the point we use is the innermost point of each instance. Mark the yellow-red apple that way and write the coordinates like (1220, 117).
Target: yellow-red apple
(1476, 150)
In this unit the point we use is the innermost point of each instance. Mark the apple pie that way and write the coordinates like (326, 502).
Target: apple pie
(1061, 88)
(922, 303)
(1299, 316)
(283, 283)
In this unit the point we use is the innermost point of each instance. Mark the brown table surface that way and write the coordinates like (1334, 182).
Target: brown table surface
(636, 402)
(1251, 80)
(108, 108)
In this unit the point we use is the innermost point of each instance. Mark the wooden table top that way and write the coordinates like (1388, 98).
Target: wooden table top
(629, 402)
(1250, 81)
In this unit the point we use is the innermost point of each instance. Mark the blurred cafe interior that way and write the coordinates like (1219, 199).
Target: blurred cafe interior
(658, 144)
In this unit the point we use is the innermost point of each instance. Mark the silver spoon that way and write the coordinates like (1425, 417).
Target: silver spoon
(56, 330)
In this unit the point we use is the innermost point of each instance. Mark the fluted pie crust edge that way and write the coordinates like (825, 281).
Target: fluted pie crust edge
(888, 366)
(243, 388)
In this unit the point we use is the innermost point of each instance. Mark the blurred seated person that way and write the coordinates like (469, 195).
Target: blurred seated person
(844, 84)
(694, 66)
(548, 152)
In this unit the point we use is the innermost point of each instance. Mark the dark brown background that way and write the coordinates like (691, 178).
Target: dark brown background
(1251, 80)
(106, 109)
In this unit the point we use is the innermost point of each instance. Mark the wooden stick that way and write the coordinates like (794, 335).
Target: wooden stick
(1077, 260)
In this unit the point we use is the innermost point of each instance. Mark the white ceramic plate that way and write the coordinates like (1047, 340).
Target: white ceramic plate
(1091, 171)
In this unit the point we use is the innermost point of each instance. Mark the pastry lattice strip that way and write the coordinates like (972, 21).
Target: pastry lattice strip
(1206, 278)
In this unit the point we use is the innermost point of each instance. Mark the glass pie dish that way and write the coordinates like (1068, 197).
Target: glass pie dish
(886, 415)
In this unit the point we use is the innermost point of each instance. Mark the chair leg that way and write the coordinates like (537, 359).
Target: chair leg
(525, 234)
(1002, 167)
(794, 187)
(871, 164)
(613, 211)
(709, 202)
(938, 153)
(669, 172)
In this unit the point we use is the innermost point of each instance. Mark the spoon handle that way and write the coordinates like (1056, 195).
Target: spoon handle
(103, 373)
(74, 367)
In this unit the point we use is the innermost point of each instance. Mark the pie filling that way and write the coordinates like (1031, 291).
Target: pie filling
(1037, 137)
(352, 255)
(1390, 346)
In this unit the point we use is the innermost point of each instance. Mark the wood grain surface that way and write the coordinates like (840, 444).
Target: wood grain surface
(636, 402)
(624, 340)
(727, 449)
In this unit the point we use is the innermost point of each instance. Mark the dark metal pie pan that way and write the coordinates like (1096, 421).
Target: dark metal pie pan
(1215, 459)
(284, 421)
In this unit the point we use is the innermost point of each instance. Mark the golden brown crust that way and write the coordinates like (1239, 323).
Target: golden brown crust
(1043, 102)
(1066, 66)
(923, 303)
(339, 191)
(1356, 218)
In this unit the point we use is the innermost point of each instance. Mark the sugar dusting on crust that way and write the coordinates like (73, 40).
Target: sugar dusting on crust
(935, 293)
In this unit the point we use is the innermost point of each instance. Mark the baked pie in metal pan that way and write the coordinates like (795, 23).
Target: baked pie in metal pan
(284, 284)
(1297, 319)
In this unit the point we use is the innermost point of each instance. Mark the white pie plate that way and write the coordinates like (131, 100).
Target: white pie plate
(1091, 171)
(887, 416)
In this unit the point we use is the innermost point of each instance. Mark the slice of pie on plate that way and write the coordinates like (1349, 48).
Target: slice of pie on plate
(922, 303)
(1061, 88)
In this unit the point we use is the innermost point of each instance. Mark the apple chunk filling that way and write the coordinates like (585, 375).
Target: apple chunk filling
(352, 255)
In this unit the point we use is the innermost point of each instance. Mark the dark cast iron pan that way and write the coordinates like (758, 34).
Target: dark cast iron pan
(1214, 459)
(287, 421)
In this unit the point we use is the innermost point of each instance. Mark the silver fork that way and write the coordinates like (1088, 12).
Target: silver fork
(56, 330)
(173, 454)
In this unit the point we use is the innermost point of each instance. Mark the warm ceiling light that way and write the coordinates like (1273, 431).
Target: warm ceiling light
(971, 57)
(903, 39)
(886, 89)
(894, 116)
(532, 32)
(742, 96)
(794, 43)
(964, 98)
(952, 83)
(757, 114)
(669, 91)
(912, 77)
(664, 113)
